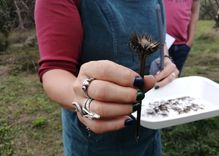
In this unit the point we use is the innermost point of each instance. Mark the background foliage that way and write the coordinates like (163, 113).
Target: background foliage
(19, 15)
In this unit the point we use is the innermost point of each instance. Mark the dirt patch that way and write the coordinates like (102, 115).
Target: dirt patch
(4, 70)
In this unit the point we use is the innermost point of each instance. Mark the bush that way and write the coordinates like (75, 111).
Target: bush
(25, 60)
(22, 54)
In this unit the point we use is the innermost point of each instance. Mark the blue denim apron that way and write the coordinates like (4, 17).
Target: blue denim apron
(108, 25)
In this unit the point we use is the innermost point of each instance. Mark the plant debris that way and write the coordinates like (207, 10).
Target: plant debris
(180, 105)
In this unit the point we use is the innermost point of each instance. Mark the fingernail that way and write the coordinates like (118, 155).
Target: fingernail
(131, 116)
(138, 82)
(130, 122)
(135, 107)
(140, 95)
(156, 87)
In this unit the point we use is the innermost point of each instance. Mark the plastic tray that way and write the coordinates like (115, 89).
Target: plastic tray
(204, 92)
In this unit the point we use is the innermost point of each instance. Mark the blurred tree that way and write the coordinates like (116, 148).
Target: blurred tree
(19, 13)
(5, 23)
(15, 15)
(25, 15)
(217, 20)
(5, 16)
(210, 10)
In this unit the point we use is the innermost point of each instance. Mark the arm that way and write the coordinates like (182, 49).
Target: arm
(58, 84)
(194, 21)
(59, 34)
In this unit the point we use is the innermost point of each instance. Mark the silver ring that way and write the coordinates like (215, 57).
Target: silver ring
(86, 84)
(87, 104)
(77, 107)
(86, 110)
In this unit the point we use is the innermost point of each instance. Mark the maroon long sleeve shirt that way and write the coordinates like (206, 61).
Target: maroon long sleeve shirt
(59, 33)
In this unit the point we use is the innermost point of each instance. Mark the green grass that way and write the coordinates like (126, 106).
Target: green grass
(6, 139)
(30, 123)
(198, 138)
(204, 56)
(35, 119)
(206, 38)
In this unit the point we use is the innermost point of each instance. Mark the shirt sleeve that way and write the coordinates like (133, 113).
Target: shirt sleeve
(59, 34)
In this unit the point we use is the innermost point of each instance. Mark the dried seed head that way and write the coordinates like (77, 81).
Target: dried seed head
(143, 44)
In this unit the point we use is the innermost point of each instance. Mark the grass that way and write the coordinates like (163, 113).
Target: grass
(199, 138)
(33, 117)
(30, 123)
(204, 56)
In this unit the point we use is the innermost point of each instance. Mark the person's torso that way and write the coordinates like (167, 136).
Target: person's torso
(178, 16)
(109, 24)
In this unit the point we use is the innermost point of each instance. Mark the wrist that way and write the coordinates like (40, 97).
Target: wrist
(168, 56)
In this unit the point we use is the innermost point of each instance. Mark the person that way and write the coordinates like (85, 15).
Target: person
(88, 68)
(181, 20)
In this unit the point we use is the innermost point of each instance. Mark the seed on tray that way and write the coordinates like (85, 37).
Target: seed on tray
(179, 105)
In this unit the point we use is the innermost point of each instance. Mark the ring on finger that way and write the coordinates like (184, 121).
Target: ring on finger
(86, 110)
(87, 104)
(86, 84)
(77, 107)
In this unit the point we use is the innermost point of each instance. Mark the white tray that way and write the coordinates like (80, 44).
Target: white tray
(205, 93)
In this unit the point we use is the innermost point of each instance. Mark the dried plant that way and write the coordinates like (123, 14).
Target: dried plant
(144, 46)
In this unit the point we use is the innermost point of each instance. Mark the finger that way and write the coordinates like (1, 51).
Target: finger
(167, 80)
(109, 71)
(111, 92)
(101, 126)
(107, 110)
(165, 73)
